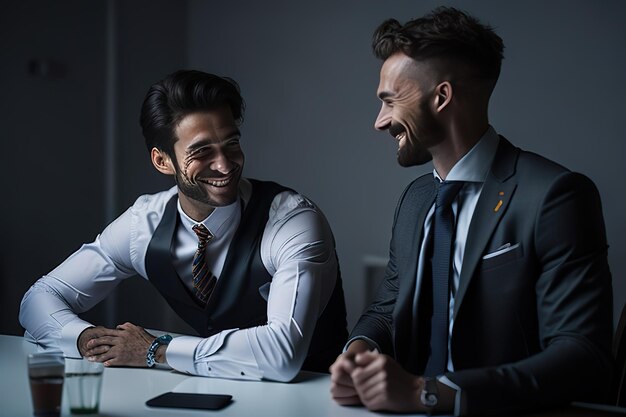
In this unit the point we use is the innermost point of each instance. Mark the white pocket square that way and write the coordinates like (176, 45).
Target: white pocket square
(501, 250)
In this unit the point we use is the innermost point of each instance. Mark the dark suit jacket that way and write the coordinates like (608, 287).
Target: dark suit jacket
(532, 326)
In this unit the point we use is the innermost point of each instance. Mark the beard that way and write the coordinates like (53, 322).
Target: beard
(199, 191)
(428, 132)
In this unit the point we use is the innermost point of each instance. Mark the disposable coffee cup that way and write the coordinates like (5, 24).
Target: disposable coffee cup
(45, 373)
(83, 382)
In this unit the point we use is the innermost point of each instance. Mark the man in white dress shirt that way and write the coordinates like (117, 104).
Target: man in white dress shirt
(260, 282)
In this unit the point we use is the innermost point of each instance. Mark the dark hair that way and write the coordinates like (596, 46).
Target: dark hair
(446, 33)
(179, 94)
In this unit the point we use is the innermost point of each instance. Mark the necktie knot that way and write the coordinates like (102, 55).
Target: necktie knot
(448, 190)
(203, 235)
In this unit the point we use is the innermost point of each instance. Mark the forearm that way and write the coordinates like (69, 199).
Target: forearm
(375, 325)
(263, 352)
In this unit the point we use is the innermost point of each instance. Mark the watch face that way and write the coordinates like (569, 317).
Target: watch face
(429, 399)
(430, 395)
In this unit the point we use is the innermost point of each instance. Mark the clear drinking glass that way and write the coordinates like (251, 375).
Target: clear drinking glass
(83, 381)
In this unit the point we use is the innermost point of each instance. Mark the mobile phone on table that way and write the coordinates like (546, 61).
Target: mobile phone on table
(190, 400)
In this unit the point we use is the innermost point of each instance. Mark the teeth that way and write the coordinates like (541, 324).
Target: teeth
(217, 183)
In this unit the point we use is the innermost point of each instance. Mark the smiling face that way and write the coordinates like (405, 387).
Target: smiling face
(208, 161)
(406, 92)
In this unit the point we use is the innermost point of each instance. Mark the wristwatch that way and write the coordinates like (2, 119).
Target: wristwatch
(430, 394)
(151, 354)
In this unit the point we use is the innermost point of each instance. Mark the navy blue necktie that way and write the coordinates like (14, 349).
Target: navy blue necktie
(442, 233)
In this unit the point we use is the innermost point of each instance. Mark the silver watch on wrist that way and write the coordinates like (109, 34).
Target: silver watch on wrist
(151, 354)
(430, 393)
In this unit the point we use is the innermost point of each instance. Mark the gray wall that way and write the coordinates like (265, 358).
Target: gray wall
(52, 75)
(73, 75)
(309, 79)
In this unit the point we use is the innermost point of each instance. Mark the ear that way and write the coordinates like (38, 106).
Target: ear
(162, 162)
(443, 94)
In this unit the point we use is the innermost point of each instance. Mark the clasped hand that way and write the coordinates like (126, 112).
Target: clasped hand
(126, 345)
(375, 381)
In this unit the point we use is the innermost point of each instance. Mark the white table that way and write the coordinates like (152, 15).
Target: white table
(125, 391)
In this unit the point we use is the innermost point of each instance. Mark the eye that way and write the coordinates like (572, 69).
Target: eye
(200, 152)
(386, 103)
(233, 143)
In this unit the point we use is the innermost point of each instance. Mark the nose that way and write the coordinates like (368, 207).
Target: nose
(383, 121)
(222, 163)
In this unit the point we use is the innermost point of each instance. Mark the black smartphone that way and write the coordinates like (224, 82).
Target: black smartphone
(189, 400)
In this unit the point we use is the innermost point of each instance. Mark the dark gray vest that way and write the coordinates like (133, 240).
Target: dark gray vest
(236, 301)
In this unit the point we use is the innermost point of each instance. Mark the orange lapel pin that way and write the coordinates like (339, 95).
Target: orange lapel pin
(497, 207)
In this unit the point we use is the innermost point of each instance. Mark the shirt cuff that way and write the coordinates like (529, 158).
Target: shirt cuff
(69, 337)
(180, 353)
(184, 352)
(369, 341)
(457, 397)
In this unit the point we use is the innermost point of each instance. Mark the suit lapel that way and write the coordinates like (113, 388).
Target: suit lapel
(418, 202)
(410, 233)
(494, 199)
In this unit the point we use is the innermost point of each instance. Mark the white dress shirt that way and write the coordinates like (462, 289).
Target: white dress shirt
(297, 249)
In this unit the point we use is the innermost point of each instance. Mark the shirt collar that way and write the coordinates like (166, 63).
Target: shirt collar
(216, 222)
(475, 165)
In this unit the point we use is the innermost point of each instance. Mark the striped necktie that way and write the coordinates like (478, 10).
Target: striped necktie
(203, 280)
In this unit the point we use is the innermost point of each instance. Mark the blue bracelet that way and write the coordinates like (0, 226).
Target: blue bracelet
(151, 355)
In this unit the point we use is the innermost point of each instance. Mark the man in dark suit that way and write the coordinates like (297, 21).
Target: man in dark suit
(497, 295)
